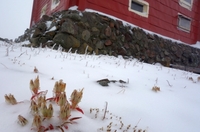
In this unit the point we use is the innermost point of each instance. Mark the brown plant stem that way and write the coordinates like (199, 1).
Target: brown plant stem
(169, 83)
(104, 115)
(4, 65)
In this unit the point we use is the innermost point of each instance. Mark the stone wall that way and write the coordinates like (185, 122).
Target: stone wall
(102, 35)
(6, 40)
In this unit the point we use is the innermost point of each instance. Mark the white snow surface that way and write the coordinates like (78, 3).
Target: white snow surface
(175, 108)
(48, 24)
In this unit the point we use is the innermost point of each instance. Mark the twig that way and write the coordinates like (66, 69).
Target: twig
(21, 54)
(169, 83)
(137, 124)
(29, 57)
(53, 46)
(12, 48)
(69, 51)
(7, 51)
(123, 90)
(4, 65)
(156, 80)
(104, 115)
(86, 50)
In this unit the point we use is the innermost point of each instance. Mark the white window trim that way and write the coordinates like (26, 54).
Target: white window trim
(142, 2)
(185, 4)
(53, 6)
(183, 28)
(43, 11)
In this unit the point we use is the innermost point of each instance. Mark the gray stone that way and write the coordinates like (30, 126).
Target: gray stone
(35, 41)
(85, 35)
(74, 16)
(37, 33)
(43, 40)
(68, 27)
(103, 35)
(42, 26)
(108, 42)
(166, 52)
(100, 45)
(50, 35)
(108, 31)
(95, 31)
(66, 41)
(103, 82)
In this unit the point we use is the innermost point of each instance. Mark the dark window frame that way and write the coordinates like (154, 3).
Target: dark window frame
(182, 21)
(137, 6)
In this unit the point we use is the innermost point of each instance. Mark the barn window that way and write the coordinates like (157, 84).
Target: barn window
(139, 7)
(186, 4)
(54, 4)
(43, 11)
(184, 23)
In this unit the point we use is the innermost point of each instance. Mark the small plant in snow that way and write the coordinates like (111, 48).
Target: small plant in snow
(156, 89)
(37, 121)
(40, 111)
(198, 79)
(22, 121)
(65, 112)
(191, 79)
(34, 107)
(10, 99)
(35, 70)
(115, 124)
(35, 85)
(76, 97)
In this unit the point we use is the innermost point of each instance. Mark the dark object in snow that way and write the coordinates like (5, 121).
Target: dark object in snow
(104, 82)
(121, 81)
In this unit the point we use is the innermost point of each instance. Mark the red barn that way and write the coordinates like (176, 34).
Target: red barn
(177, 19)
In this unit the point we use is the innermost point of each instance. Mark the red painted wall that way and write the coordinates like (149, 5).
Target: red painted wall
(39, 4)
(162, 19)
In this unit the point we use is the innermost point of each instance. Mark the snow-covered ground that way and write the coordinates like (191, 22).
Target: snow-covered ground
(175, 108)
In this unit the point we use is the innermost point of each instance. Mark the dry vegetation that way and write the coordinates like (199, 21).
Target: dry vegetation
(42, 113)
(115, 124)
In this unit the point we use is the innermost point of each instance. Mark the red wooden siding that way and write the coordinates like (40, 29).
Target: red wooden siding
(39, 4)
(162, 19)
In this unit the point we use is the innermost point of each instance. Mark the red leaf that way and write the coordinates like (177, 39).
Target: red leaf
(60, 128)
(46, 129)
(34, 129)
(80, 110)
(33, 96)
(51, 127)
(66, 127)
(42, 128)
(75, 118)
(42, 92)
(50, 99)
(56, 99)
